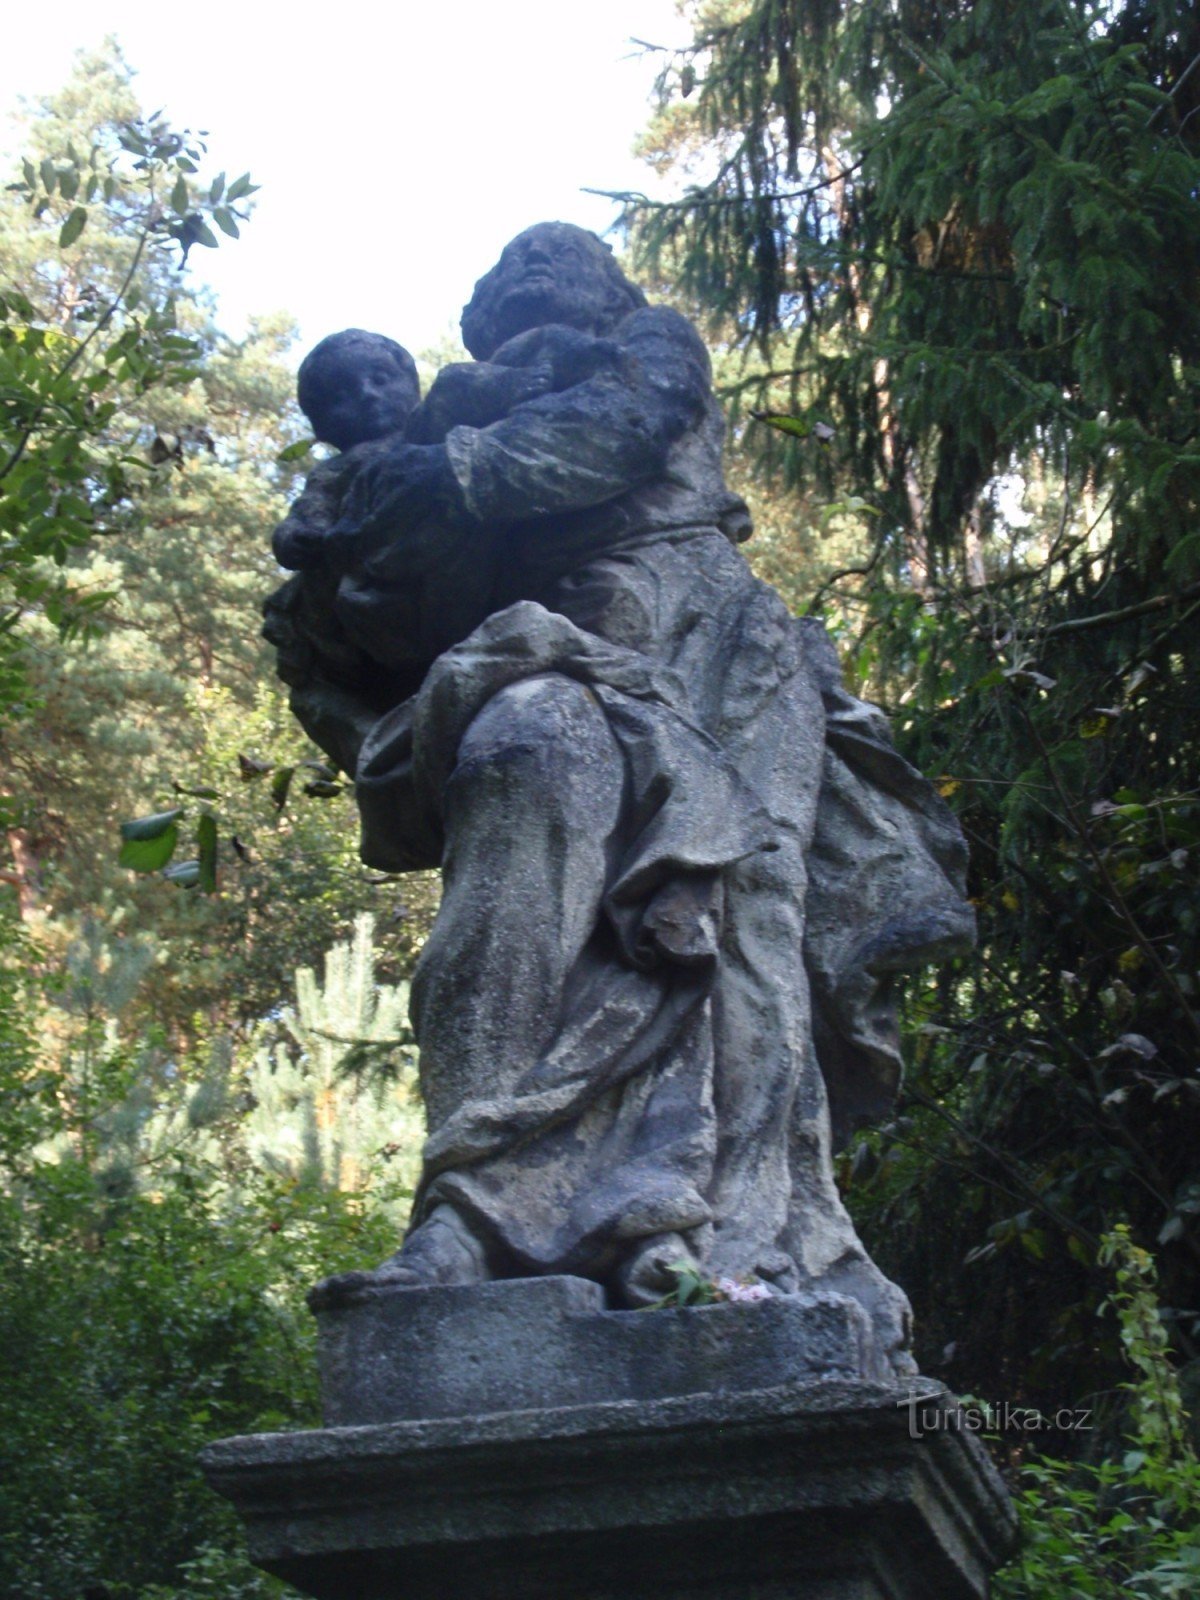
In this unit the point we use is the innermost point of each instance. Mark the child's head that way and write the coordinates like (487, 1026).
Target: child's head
(356, 386)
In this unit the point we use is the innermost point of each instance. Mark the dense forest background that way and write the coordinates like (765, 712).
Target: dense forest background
(947, 257)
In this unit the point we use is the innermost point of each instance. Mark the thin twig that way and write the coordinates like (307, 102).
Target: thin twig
(1183, 78)
(1025, 1188)
(849, 572)
(1158, 602)
(643, 202)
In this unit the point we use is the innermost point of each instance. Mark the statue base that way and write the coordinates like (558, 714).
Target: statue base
(524, 1442)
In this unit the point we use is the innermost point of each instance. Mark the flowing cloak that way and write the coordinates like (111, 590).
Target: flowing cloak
(774, 861)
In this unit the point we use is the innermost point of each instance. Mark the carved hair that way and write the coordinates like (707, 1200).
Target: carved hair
(313, 378)
(478, 330)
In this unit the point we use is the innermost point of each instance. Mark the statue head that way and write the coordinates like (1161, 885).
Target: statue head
(554, 272)
(355, 386)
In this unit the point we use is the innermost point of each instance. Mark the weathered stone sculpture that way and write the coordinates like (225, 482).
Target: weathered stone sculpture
(681, 865)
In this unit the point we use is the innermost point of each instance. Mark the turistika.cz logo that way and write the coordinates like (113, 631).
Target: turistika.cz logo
(939, 1414)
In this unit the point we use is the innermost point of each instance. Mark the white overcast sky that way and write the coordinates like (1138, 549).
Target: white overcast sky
(398, 147)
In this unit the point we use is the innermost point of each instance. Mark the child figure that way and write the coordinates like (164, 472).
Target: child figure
(360, 393)
(416, 578)
(358, 626)
(358, 390)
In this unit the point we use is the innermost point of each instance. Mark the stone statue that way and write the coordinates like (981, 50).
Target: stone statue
(681, 863)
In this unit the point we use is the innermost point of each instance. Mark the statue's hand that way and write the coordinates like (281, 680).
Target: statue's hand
(297, 546)
(477, 393)
(568, 354)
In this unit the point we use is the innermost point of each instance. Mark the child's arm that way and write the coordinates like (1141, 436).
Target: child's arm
(569, 355)
(298, 540)
(474, 394)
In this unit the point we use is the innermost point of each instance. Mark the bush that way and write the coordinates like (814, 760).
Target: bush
(1127, 1526)
(135, 1327)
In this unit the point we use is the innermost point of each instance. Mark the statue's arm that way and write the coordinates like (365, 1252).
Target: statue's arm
(475, 394)
(298, 540)
(594, 440)
(564, 451)
(305, 540)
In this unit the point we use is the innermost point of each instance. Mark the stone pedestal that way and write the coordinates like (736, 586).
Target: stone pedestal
(518, 1440)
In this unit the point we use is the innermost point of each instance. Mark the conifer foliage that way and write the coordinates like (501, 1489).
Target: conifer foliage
(966, 242)
(335, 1098)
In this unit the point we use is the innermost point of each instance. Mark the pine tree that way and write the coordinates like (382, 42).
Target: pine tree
(171, 700)
(972, 233)
(338, 1106)
(153, 1270)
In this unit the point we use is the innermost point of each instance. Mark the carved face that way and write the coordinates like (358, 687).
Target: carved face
(357, 390)
(552, 273)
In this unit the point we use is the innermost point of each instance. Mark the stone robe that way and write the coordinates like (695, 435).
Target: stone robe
(681, 863)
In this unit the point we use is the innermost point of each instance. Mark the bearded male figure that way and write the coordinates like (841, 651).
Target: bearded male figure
(681, 864)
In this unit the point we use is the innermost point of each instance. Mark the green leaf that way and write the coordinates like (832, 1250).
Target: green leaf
(185, 873)
(240, 187)
(72, 227)
(223, 218)
(149, 854)
(280, 784)
(852, 506)
(797, 427)
(179, 196)
(49, 175)
(151, 827)
(217, 188)
(296, 451)
(1077, 1248)
(30, 172)
(131, 139)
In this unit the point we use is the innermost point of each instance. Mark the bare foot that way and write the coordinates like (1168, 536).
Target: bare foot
(442, 1251)
(645, 1275)
(885, 1303)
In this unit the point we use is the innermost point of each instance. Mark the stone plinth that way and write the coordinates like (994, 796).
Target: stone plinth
(398, 1355)
(540, 1447)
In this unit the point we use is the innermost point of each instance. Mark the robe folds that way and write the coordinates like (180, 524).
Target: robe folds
(771, 863)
